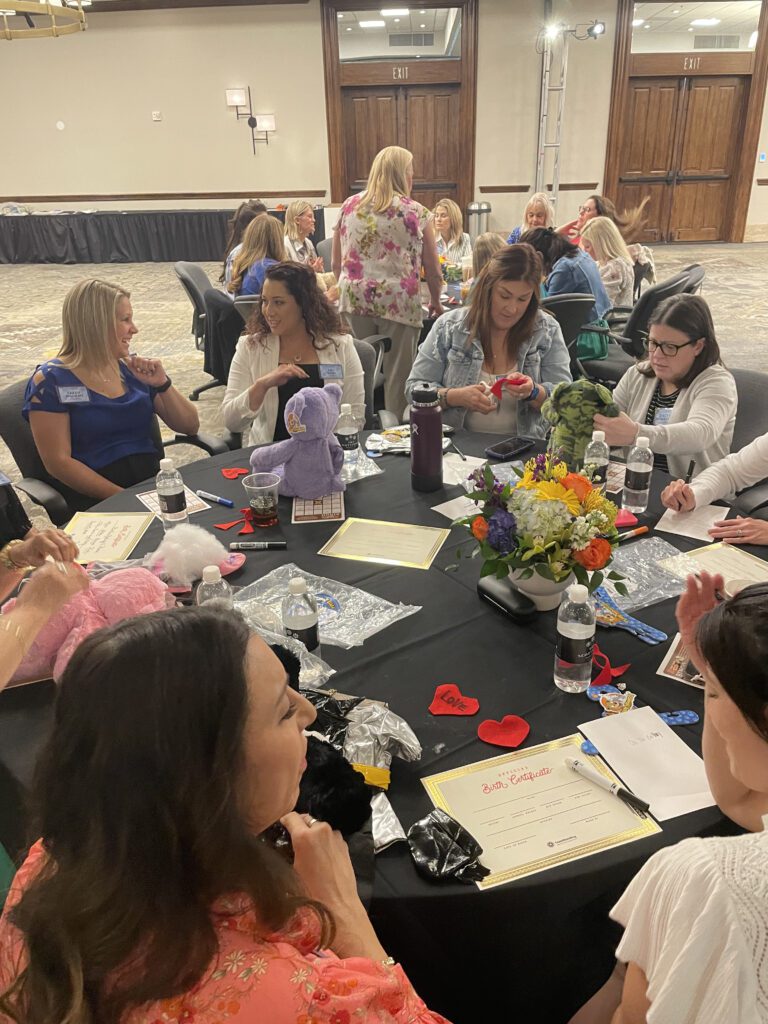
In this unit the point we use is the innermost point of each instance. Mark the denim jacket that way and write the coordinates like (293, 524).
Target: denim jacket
(579, 275)
(448, 359)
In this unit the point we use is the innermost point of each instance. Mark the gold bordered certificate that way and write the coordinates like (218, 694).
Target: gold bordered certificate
(373, 540)
(530, 812)
(727, 559)
(107, 536)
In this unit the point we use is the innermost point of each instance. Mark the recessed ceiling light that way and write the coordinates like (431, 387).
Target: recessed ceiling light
(646, 25)
(339, 16)
(705, 22)
(371, 24)
(348, 29)
(396, 20)
(676, 10)
(637, 23)
(390, 12)
(422, 26)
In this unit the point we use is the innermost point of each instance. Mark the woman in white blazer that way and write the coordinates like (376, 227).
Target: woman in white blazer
(295, 340)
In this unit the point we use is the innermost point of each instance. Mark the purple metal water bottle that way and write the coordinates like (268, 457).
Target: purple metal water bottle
(426, 439)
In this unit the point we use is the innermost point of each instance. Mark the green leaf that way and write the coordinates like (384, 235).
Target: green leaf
(621, 589)
(597, 579)
(544, 570)
(489, 569)
(502, 571)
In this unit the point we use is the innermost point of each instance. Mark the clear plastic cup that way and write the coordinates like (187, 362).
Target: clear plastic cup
(261, 489)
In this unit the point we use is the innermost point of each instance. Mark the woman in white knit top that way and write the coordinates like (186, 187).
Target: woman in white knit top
(682, 398)
(723, 480)
(696, 916)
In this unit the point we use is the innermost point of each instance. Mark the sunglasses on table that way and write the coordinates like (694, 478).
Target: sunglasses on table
(667, 348)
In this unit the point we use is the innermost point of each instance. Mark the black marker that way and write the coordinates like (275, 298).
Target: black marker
(258, 545)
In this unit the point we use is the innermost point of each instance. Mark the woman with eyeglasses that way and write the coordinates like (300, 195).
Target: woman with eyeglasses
(681, 397)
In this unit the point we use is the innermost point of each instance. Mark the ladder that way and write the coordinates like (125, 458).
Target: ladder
(551, 96)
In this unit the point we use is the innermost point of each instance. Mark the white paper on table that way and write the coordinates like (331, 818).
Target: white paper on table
(696, 523)
(456, 508)
(194, 502)
(456, 470)
(107, 536)
(652, 761)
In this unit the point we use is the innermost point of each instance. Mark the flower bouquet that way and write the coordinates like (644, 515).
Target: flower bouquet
(451, 271)
(548, 522)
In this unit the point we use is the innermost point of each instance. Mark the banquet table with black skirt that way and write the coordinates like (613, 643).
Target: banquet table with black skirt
(530, 950)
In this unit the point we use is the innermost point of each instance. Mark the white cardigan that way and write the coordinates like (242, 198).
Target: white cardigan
(725, 478)
(255, 357)
(700, 427)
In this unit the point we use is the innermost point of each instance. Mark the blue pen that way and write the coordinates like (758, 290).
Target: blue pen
(216, 498)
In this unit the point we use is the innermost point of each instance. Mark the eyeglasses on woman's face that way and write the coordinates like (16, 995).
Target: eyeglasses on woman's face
(589, 208)
(667, 348)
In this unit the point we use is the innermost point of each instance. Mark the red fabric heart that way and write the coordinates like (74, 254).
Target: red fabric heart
(234, 473)
(509, 732)
(449, 700)
(516, 378)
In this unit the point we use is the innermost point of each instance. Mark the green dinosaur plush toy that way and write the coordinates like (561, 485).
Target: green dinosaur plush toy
(570, 409)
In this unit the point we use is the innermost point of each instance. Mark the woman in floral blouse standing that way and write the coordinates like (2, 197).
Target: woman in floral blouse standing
(381, 241)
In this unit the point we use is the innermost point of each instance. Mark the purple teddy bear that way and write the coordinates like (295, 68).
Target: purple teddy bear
(310, 461)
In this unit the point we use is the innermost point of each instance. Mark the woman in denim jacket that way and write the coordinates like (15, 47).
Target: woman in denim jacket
(569, 270)
(502, 335)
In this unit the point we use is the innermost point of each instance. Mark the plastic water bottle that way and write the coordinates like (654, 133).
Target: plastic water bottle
(637, 481)
(347, 436)
(213, 587)
(300, 614)
(170, 495)
(426, 439)
(597, 455)
(575, 640)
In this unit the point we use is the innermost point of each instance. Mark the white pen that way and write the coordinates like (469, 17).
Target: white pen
(591, 775)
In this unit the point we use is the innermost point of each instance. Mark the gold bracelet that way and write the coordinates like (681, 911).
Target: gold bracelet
(6, 558)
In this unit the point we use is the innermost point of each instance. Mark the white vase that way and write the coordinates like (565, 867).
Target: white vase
(544, 593)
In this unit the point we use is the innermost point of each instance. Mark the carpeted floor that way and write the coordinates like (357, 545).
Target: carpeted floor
(736, 286)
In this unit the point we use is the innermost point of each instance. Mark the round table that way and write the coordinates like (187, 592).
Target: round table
(463, 949)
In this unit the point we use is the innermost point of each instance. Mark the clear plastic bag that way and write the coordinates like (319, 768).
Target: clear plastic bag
(347, 615)
(364, 467)
(646, 581)
(314, 672)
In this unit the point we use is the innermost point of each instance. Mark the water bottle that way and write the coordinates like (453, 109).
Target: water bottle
(213, 587)
(597, 455)
(170, 495)
(347, 436)
(300, 614)
(426, 439)
(575, 640)
(637, 480)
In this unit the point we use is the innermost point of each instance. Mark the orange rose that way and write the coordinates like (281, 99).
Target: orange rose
(578, 484)
(596, 555)
(479, 528)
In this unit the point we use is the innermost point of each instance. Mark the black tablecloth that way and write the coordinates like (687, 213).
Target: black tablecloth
(133, 236)
(530, 950)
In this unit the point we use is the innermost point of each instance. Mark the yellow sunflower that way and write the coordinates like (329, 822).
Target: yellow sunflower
(597, 502)
(550, 490)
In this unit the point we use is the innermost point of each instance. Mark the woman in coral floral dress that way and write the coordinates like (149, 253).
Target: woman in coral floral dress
(153, 896)
(382, 240)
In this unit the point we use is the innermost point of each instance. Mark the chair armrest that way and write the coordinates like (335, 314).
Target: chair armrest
(232, 441)
(209, 443)
(51, 500)
(379, 339)
(387, 419)
(748, 501)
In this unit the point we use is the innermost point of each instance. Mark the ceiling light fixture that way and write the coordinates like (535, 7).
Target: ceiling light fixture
(637, 23)
(705, 22)
(752, 41)
(63, 21)
(371, 24)
(390, 12)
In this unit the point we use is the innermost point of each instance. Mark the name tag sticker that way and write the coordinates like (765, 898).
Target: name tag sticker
(662, 417)
(73, 395)
(331, 371)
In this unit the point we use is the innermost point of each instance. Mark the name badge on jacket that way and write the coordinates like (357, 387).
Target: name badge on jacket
(331, 371)
(73, 395)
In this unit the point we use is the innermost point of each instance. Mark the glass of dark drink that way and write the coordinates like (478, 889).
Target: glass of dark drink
(261, 489)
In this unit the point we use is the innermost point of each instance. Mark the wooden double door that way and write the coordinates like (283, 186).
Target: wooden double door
(680, 146)
(421, 118)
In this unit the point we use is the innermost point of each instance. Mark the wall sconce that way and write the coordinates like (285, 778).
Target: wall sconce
(260, 124)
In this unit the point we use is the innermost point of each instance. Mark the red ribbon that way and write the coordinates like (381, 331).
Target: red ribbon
(496, 387)
(607, 673)
(247, 519)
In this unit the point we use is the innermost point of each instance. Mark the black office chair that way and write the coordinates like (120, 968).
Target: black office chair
(751, 422)
(223, 327)
(44, 489)
(324, 249)
(571, 310)
(195, 283)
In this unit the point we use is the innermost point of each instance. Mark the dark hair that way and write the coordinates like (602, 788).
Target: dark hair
(138, 807)
(629, 222)
(550, 245)
(690, 315)
(511, 263)
(320, 317)
(239, 221)
(733, 639)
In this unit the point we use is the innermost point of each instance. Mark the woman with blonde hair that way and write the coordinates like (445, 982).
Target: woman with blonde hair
(381, 241)
(243, 215)
(299, 225)
(91, 408)
(538, 213)
(602, 240)
(263, 246)
(486, 246)
(452, 240)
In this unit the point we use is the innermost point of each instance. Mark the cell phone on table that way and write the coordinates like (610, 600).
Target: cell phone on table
(506, 599)
(509, 449)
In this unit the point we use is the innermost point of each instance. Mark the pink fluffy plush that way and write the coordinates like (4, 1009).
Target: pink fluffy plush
(117, 596)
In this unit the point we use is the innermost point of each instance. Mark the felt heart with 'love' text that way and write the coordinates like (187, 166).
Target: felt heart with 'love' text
(449, 700)
(509, 732)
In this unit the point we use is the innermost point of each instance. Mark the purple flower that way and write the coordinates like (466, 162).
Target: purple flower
(411, 222)
(410, 284)
(539, 466)
(370, 291)
(501, 531)
(354, 266)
